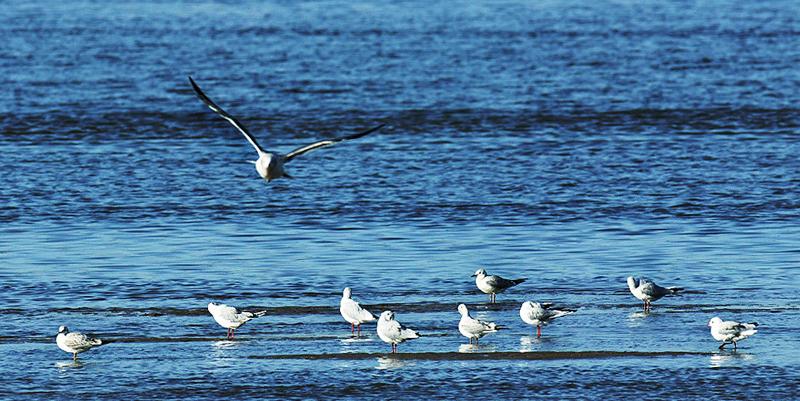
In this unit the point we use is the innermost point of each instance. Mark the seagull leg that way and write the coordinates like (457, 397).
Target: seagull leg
(233, 334)
(723, 345)
(538, 331)
(734, 345)
(352, 328)
(74, 356)
(359, 330)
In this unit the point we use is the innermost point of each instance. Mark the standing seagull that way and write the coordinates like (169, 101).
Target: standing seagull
(473, 328)
(230, 317)
(269, 164)
(75, 343)
(493, 285)
(540, 314)
(648, 291)
(353, 312)
(392, 332)
(731, 331)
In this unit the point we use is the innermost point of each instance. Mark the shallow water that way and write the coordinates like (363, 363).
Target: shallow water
(573, 144)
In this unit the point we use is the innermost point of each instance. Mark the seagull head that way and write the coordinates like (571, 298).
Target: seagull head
(714, 321)
(387, 315)
(531, 305)
(632, 282)
(462, 309)
(63, 329)
(480, 272)
(346, 293)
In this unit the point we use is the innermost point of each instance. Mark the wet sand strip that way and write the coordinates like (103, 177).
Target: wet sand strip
(472, 356)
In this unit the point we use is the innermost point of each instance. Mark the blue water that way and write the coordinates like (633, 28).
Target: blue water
(571, 143)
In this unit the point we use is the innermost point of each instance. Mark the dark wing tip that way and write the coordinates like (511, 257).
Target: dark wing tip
(365, 132)
(196, 87)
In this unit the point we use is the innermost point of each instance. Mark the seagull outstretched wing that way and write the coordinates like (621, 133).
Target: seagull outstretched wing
(224, 114)
(299, 151)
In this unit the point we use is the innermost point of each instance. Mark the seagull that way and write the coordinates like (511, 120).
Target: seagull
(540, 314)
(270, 164)
(353, 312)
(392, 332)
(473, 328)
(731, 331)
(649, 291)
(493, 285)
(74, 342)
(230, 317)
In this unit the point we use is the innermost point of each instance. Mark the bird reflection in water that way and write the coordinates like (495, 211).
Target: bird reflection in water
(391, 362)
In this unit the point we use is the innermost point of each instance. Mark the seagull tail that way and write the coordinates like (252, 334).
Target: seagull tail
(366, 316)
(259, 313)
(564, 312)
(409, 334)
(748, 333)
(749, 327)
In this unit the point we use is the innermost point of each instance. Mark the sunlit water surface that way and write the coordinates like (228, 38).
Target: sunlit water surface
(572, 143)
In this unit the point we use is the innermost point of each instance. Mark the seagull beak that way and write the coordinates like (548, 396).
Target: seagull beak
(474, 275)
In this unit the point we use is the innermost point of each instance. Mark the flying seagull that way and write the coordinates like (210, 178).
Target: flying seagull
(729, 332)
(539, 315)
(473, 328)
(493, 285)
(392, 332)
(74, 342)
(230, 317)
(270, 164)
(648, 291)
(353, 312)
